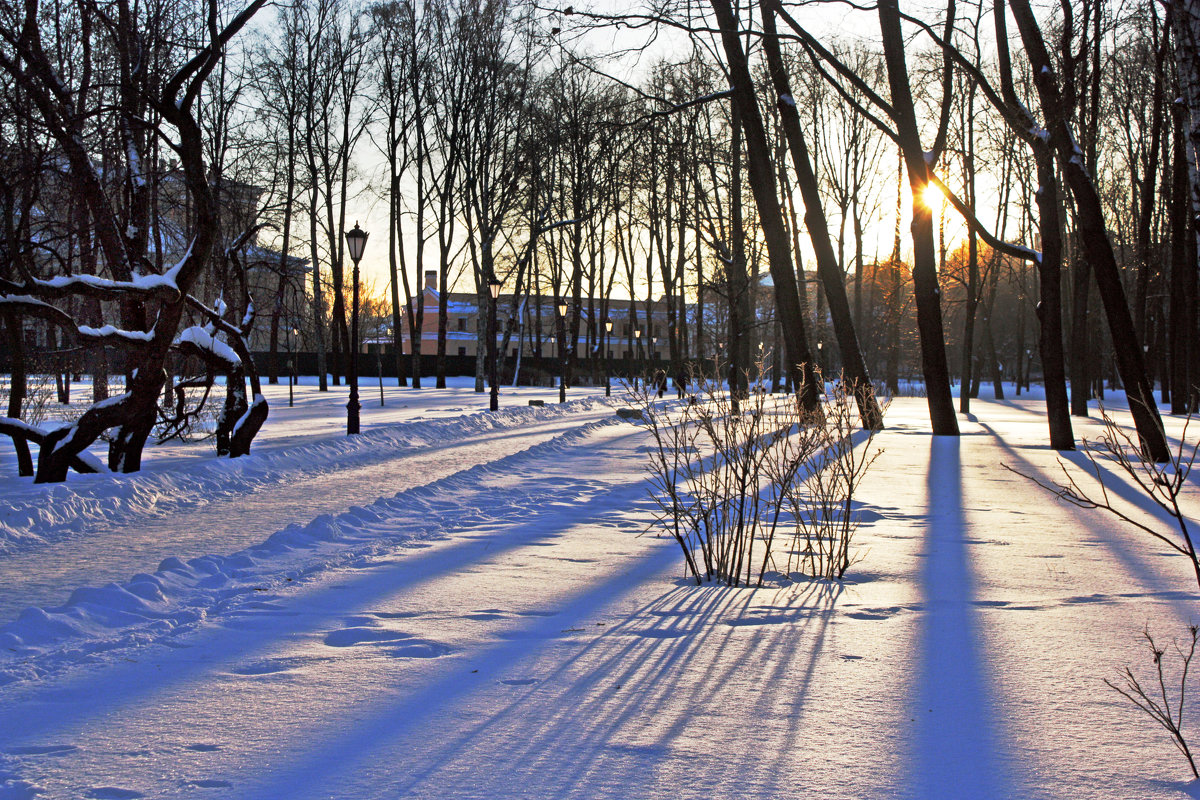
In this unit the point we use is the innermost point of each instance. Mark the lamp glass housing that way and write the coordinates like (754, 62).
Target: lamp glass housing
(356, 242)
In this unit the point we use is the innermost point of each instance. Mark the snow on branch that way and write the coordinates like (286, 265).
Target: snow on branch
(200, 342)
(968, 214)
(84, 462)
(109, 333)
(104, 288)
(30, 306)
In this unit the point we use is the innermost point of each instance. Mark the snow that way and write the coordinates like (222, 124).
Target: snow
(202, 338)
(107, 331)
(461, 604)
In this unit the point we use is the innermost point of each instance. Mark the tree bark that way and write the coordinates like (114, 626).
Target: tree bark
(818, 230)
(925, 279)
(766, 199)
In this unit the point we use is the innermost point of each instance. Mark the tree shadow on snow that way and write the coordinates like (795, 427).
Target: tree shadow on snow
(956, 734)
(631, 710)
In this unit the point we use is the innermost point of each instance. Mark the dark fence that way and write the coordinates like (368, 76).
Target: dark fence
(534, 370)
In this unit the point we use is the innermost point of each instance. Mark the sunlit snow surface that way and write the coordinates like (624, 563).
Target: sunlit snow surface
(461, 605)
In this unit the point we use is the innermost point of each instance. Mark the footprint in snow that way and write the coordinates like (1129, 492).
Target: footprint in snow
(875, 613)
(113, 793)
(520, 682)
(273, 666)
(348, 637)
(405, 645)
(419, 648)
(205, 783)
(44, 750)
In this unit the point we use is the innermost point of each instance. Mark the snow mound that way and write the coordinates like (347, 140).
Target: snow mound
(39, 513)
(183, 594)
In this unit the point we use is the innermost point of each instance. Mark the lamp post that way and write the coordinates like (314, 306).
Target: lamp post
(379, 363)
(637, 354)
(292, 365)
(562, 351)
(607, 365)
(494, 291)
(820, 359)
(356, 242)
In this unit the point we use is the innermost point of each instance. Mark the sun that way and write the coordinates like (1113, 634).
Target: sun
(933, 198)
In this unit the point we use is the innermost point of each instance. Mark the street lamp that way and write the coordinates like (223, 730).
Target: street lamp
(494, 291)
(820, 361)
(607, 365)
(356, 242)
(292, 366)
(637, 354)
(562, 351)
(379, 361)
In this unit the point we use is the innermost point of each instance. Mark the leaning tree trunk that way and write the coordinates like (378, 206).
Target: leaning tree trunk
(1097, 248)
(818, 231)
(766, 199)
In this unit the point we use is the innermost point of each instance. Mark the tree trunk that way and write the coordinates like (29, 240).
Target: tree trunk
(1179, 343)
(766, 199)
(818, 231)
(925, 280)
(1096, 245)
(18, 387)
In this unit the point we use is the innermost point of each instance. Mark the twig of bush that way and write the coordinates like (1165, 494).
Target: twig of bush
(728, 471)
(1157, 703)
(1163, 483)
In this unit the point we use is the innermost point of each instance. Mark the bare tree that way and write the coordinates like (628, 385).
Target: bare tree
(157, 96)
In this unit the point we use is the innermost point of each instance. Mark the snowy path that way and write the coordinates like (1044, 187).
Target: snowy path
(167, 519)
(504, 633)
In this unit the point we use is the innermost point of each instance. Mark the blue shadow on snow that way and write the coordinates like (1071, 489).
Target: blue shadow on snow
(956, 743)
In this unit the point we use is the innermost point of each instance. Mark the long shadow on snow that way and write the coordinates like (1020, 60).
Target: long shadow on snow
(606, 720)
(1147, 574)
(127, 684)
(956, 744)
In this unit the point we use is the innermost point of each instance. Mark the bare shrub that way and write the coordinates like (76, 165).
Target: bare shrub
(39, 392)
(1163, 483)
(727, 472)
(1157, 703)
(823, 510)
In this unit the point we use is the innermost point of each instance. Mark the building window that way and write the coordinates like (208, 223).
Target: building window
(462, 323)
(462, 351)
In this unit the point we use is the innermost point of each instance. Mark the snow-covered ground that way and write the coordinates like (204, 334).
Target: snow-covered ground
(460, 604)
